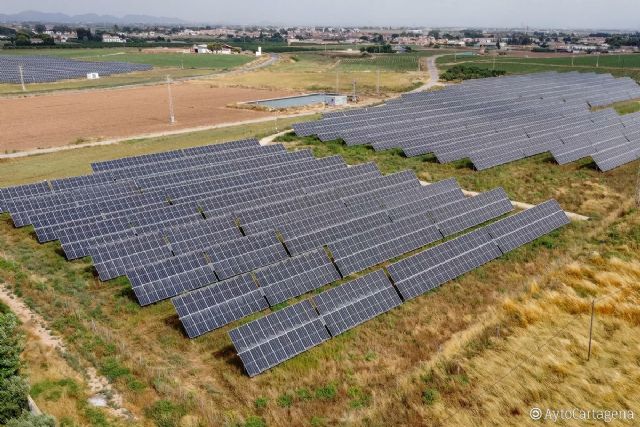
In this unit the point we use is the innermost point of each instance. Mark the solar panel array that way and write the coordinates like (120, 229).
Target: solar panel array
(500, 120)
(42, 69)
(229, 230)
(281, 335)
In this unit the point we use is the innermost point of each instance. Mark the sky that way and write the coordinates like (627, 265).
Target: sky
(608, 14)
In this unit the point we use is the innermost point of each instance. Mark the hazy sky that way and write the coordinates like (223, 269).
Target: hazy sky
(611, 14)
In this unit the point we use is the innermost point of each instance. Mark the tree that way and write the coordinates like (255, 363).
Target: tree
(29, 420)
(10, 346)
(14, 392)
(39, 28)
(434, 33)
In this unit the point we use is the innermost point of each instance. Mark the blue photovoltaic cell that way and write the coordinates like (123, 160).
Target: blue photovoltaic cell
(281, 335)
(431, 268)
(355, 302)
(296, 276)
(219, 304)
(526, 226)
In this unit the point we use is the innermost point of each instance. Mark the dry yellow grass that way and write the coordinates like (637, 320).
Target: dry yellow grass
(317, 73)
(432, 361)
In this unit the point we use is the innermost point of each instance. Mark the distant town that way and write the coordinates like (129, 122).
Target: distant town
(30, 35)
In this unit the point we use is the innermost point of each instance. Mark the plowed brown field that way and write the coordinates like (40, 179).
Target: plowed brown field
(66, 118)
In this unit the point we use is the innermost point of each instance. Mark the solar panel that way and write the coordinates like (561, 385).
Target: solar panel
(219, 304)
(171, 277)
(41, 68)
(526, 226)
(460, 215)
(431, 268)
(358, 252)
(269, 341)
(296, 276)
(346, 306)
(491, 121)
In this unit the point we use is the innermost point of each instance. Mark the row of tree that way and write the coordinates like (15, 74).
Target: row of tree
(14, 388)
(467, 72)
(382, 48)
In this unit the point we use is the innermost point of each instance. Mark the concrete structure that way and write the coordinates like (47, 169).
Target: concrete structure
(108, 38)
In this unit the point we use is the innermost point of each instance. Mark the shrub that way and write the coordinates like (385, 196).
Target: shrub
(14, 392)
(28, 420)
(112, 369)
(327, 392)
(285, 400)
(165, 413)
(261, 403)
(255, 422)
(10, 346)
(466, 72)
(429, 396)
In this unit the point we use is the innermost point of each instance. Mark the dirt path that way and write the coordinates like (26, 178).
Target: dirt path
(103, 394)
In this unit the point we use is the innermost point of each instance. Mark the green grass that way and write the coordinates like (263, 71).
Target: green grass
(177, 65)
(179, 60)
(160, 60)
(618, 65)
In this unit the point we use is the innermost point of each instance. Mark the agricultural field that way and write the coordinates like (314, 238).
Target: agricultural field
(91, 116)
(314, 72)
(137, 56)
(618, 65)
(177, 65)
(480, 350)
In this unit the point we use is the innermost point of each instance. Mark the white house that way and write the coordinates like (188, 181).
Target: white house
(108, 38)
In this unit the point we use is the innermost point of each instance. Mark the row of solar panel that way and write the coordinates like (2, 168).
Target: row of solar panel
(445, 102)
(493, 131)
(145, 165)
(283, 334)
(353, 251)
(356, 243)
(38, 69)
(468, 104)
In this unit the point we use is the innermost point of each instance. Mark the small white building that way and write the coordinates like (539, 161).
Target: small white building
(108, 38)
(201, 48)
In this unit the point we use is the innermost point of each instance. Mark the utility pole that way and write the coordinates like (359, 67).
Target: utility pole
(494, 63)
(597, 59)
(354, 90)
(172, 117)
(337, 82)
(572, 56)
(21, 70)
(378, 83)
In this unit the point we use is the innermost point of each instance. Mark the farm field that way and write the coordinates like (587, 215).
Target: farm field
(618, 65)
(177, 65)
(331, 72)
(134, 55)
(478, 351)
(69, 118)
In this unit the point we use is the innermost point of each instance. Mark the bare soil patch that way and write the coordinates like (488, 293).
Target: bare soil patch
(66, 118)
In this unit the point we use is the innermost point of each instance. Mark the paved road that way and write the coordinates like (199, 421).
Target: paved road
(434, 76)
